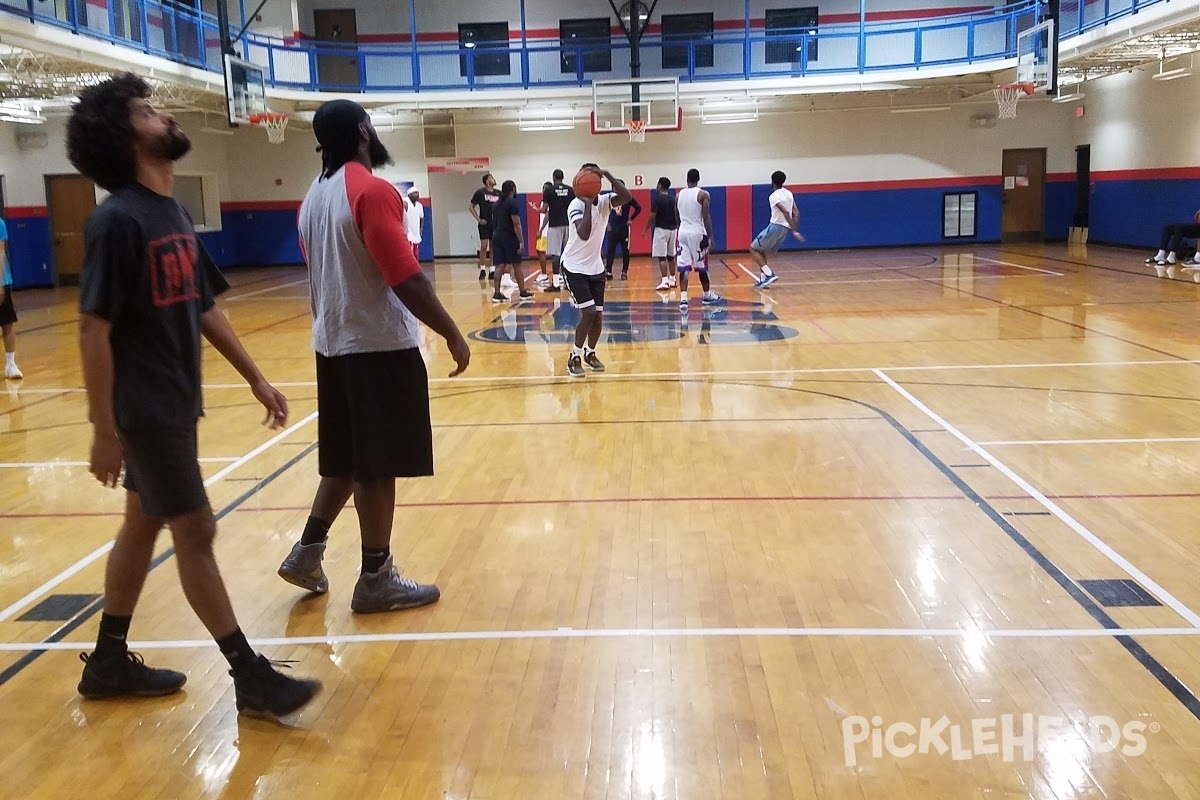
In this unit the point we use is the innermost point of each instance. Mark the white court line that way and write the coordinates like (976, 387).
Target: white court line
(257, 292)
(1019, 266)
(640, 633)
(1112, 555)
(51, 464)
(1151, 440)
(101, 551)
(720, 373)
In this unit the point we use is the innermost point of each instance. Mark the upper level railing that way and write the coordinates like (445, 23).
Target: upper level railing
(188, 37)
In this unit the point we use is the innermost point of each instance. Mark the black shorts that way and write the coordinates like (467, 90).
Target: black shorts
(8, 312)
(374, 416)
(586, 290)
(505, 250)
(485, 231)
(161, 466)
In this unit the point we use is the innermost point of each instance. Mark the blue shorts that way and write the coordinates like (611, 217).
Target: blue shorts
(505, 250)
(771, 238)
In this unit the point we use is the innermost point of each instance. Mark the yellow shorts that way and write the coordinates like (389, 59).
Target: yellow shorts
(541, 244)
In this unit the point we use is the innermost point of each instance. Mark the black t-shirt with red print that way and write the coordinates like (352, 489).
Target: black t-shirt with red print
(147, 274)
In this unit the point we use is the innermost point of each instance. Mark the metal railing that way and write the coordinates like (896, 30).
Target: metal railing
(189, 37)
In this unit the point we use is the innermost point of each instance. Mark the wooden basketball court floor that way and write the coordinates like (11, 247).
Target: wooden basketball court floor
(915, 523)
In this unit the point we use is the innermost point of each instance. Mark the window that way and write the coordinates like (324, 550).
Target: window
(958, 215)
(785, 35)
(484, 38)
(594, 33)
(692, 28)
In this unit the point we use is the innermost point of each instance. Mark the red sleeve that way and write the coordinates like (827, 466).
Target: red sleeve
(379, 215)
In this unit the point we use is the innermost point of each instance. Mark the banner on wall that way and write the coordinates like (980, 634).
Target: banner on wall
(459, 165)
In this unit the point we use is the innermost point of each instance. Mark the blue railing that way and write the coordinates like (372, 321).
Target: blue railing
(189, 37)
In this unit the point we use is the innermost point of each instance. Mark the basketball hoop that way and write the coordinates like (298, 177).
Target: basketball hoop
(637, 130)
(1008, 96)
(273, 122)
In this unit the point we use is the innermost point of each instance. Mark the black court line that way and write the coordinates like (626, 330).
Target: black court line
(1028, 514)
(90, 611)
(967, 466)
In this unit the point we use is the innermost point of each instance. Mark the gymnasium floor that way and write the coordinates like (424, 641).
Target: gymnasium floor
(882, 492)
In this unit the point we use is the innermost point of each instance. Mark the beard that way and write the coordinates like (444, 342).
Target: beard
(377, 152)
(172, 145)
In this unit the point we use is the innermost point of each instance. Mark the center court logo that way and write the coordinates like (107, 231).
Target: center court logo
(1009, 736)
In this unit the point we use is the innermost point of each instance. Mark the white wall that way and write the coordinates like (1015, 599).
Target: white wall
(1133, 122)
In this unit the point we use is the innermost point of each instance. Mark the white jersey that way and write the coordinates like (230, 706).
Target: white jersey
(691, 213)
(784, 198)
(414, 218)
(582, 256)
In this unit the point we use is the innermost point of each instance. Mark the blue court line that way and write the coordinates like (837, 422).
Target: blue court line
(90, 611)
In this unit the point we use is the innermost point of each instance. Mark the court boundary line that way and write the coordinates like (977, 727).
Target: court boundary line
(719, 373)
(1146, 440)
(104, 549)
(1075, 525)
(51, 464)
(635, 633)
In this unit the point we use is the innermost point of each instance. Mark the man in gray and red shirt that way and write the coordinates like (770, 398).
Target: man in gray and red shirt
(367, 293)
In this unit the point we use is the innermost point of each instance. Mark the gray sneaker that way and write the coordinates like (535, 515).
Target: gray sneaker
(385, 590)
(302, 567)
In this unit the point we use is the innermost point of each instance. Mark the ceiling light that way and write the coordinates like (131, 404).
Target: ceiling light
(1171, 74)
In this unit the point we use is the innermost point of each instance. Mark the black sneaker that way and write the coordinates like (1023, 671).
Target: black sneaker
(596, 364)
(482, 274)
(552, 289)
(498, 298)
(624, 276)
(526, 295)
(126, 675)
(608, 276)
(575, 367)
(263, 690)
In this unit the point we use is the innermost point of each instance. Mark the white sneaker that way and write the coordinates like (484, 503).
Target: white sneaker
(13, 373)
(663, 285)
(674, 282)
(710, 297)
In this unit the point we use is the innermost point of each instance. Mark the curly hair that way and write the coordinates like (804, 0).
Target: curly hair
(100, 136)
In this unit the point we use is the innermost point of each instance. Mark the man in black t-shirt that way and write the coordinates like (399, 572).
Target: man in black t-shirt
(482, 203)
(508, 241)
(146, 298)
(664, 221)
(556, 198)
(618, 234)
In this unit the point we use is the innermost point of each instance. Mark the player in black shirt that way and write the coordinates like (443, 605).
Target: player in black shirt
(618, 234)
(146, 298)
(484, 200)
(555, 200)
(664, 221)
(508, 241)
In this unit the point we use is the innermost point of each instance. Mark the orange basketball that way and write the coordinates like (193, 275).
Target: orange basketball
(587, 183)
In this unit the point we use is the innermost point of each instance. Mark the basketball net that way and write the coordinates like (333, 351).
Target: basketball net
(637, 130)
(1007, 98)
(275, 124)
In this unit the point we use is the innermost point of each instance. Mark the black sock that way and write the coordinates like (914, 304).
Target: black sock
(316, 531)
(237, 651)
(111, 639)
(373, 560)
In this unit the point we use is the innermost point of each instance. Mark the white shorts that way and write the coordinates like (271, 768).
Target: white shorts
(666, 243)
(690, 254)
(556, 240)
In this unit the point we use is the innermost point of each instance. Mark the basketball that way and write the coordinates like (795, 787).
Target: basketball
(586, 183)
(1196, 217)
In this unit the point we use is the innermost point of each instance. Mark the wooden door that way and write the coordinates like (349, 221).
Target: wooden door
(70, 199)
(1024, 195)
(337, 27)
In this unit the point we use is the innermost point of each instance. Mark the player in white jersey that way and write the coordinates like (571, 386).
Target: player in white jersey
(695, 237)
(784, 219)
(583, 268)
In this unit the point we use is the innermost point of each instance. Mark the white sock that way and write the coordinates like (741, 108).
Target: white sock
(576, 352)
(587, 351)
(767, 270)
(1161, 254)
(10, 359)
(683, 297)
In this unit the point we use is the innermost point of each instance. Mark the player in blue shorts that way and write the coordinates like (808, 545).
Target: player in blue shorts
(785, 216)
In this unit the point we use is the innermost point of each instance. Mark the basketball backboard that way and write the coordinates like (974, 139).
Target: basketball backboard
(652, 102)
(1035, 56)
(245, 90)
